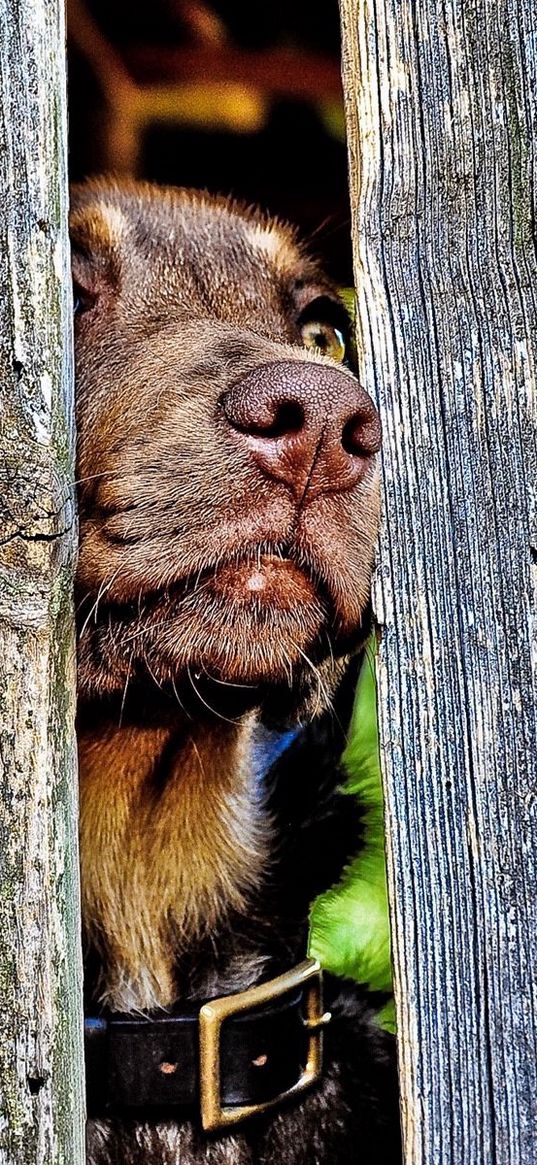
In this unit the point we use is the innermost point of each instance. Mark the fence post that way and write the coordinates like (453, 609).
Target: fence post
(41, 1075)
(441, 100)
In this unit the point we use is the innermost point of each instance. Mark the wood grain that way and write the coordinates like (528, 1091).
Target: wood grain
(441, 102)
(41, 1097)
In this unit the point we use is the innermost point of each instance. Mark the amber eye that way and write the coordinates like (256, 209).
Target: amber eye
(324, 338)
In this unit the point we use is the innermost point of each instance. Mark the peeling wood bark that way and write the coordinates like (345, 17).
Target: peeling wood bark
(441, 100)
(41, 1097)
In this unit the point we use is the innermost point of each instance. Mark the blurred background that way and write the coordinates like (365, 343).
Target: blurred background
(221, 95)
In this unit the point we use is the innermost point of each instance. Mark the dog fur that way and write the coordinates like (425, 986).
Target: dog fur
(218, 589)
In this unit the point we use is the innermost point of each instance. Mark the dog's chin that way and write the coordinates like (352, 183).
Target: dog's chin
(256, 631)
(251, 622)
(249, 631)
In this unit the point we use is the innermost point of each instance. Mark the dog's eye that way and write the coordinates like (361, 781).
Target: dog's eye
(83, 298)
(324, 338)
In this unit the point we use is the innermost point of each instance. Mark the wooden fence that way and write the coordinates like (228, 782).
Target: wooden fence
(441, 103)
(41, 1094)
(441, 99)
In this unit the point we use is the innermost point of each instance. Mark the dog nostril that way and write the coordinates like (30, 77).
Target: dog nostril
(279, 420)
(361, 435)
(289, 419)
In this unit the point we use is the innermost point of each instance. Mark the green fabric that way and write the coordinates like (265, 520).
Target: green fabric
(350, 933)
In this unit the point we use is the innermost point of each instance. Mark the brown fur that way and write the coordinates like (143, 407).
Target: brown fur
(183, 296)
(158, 841)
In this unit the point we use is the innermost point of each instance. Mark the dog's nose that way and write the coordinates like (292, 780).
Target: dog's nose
(308, 425)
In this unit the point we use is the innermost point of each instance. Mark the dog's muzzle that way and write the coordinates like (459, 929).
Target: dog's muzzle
(310, 426)
(230, 1059)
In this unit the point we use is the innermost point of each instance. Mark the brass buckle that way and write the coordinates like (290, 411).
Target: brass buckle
(211, 1017)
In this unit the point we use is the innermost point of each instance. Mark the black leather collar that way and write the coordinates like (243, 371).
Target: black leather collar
(149, 1066)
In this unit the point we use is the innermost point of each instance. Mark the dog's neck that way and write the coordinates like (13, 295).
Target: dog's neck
(172, 836)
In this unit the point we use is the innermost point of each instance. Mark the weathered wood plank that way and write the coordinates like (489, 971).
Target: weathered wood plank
(41, 1100)
(441, 100)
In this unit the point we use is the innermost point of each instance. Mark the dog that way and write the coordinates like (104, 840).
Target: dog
(228, 502)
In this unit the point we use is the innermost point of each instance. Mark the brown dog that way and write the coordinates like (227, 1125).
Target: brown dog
(228, 516)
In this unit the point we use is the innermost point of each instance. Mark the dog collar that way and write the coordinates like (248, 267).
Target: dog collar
(229, 1059)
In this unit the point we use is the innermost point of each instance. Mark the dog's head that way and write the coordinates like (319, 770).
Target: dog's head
(227, 454)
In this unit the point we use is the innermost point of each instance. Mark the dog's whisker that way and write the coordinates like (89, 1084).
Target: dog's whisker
(124, 695)
(103, 589)
(329, 645)
(224, 683)
(111, 474)
(213, 711)
(178, 698)
(321, 687)
(228, 683)
(151, 673)
(146, 632)
(198, 755)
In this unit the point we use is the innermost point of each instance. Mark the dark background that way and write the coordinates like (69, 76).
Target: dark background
(292, 163)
